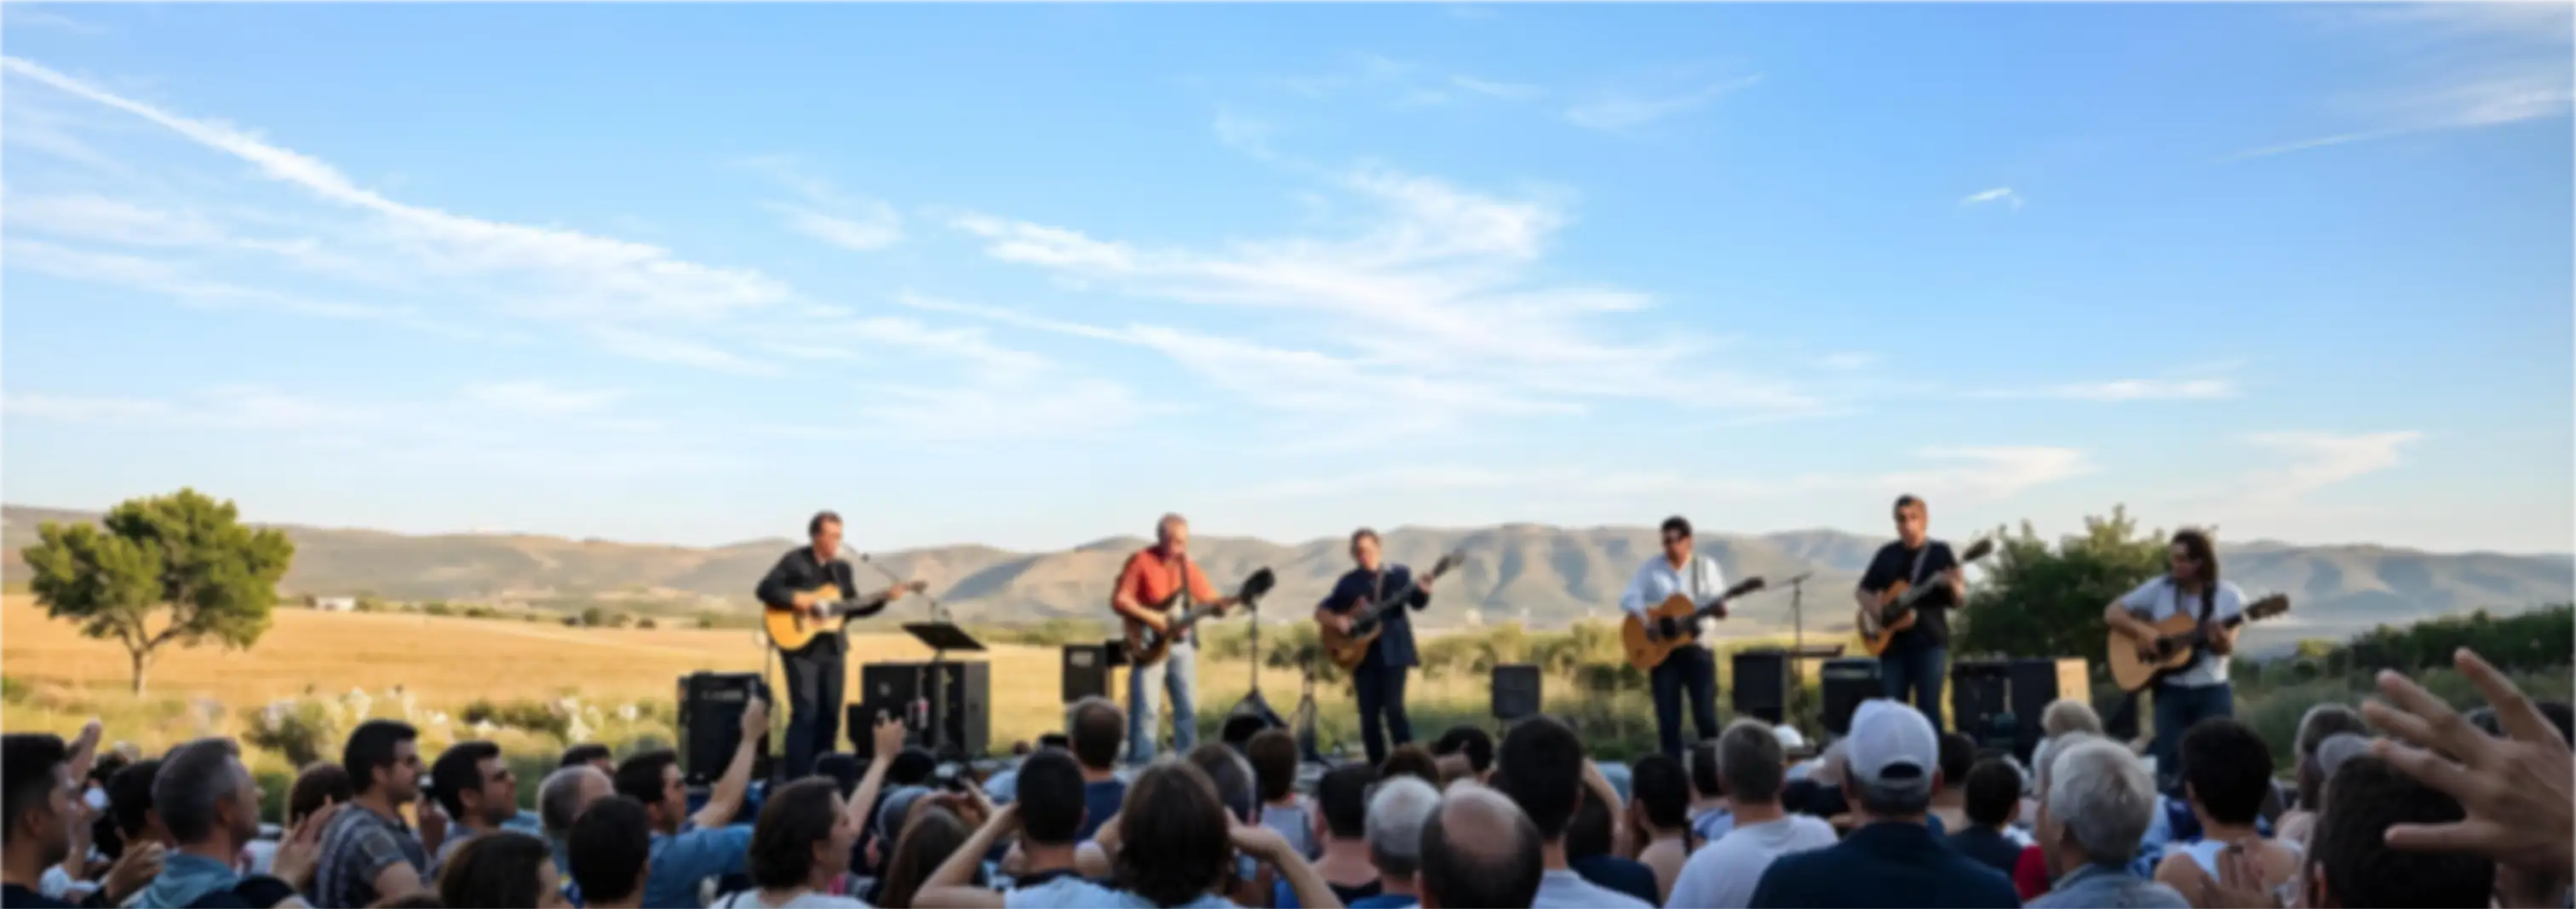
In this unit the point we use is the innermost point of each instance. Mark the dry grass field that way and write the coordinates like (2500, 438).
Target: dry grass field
(59, 678)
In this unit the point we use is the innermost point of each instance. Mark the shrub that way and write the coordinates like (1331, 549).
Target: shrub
(646, 623)
(301, 729)
(533, 716)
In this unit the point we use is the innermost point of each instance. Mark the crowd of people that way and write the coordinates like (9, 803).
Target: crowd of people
(2404, 802)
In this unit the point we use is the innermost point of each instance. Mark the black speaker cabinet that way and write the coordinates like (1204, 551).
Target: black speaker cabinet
(1981, 703)
(1761, 685)
(901, 689)
(1516, 691)
(710, 724)
(1847, 682)
(1086, 671)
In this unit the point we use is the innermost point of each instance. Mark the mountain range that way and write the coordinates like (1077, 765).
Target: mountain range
(1541, 575)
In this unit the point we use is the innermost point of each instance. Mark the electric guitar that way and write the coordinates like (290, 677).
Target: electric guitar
(1348, 648)
(2180, 639)
(791, 628)
(1648, 648)
(1146, 646)
(1879, 624)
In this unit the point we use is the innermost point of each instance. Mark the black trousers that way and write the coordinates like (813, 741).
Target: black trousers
(1381, 690)
(814, 679)
(1691, 671)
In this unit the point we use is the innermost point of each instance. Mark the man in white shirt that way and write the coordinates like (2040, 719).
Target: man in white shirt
(1691, 669)
(2191, 587)
(1721, 874)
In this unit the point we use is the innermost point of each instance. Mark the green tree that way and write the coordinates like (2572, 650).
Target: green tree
(2037, 599)
(183, 555)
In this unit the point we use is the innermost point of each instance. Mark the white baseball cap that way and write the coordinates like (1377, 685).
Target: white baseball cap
(1892, 748)
(1789, 738)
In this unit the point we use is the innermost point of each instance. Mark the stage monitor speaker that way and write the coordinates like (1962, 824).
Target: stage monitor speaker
(1516, 691)
(1847, 682)
(1761, 684)
(1086, 671)
(898, 689)
(710, 724)
(1981, 703)
(2036, 681)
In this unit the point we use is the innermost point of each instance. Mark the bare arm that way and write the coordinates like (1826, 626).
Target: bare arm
(1267, 846)
(953, 885)
(725, 800)
(888, 739)
(398, 880)
(2118, 616)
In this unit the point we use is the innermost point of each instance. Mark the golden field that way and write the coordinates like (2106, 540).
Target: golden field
(445, 663)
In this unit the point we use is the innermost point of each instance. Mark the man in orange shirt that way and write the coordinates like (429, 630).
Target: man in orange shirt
(1153, 574)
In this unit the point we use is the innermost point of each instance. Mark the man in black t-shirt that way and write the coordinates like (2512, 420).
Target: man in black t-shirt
(814, 671)
(1917, 657)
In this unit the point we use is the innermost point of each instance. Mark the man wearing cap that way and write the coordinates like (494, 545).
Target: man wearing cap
(1891, 768)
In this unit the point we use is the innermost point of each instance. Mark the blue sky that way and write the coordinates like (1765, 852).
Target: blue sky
(1032, 275)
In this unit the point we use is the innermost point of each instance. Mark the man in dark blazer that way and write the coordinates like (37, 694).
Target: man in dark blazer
(1379, 678)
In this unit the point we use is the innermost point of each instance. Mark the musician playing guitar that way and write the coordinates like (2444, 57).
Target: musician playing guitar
(1379, 678)
(1145, 595)
(1915, 659)
(2190, 587)
(814, 671)
(1690, 670)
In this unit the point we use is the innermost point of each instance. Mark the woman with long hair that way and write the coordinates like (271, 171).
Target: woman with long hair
(933, 835)
(800, 845)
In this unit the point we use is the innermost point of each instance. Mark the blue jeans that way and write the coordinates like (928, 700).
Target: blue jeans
(1918, 669)
(1177, 674)
(2178, 708)
(1689, 671)
(1381, 692)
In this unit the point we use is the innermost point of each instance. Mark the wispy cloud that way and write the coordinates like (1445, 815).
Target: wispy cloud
(2319, 460)
(1847, 360)
(537, 396)
(824, 212)
(1508, 91)
(2001, 195)
(2143, 390)
(2432, 24)
(1961, 475)
(29, 15)
(2466, 66)
(573, 271)
(1443, 276)
(1623, 111)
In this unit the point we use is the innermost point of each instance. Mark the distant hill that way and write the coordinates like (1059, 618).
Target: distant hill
(1544, 575)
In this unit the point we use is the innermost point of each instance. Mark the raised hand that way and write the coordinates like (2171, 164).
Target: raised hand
(2519, 792)
(755, 717)
(137, 867)
(888, 737)
(1260, 842)
(301, 852)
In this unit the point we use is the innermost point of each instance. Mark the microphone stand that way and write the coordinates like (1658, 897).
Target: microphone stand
(1798, 647)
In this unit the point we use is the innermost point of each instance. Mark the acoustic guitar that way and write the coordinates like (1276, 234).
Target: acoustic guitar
(2180, 639)
(1146, 646)
(793, 628)
(1879, 624)
(1647, 649)
(1348, 648)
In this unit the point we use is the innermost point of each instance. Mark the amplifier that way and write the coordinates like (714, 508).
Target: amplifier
(710, 724)
(1086, 671)
(1761, 684)
(1847, 682)
(1516, 691)
(897, 689)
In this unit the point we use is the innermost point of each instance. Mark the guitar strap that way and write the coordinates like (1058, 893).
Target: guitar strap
(1181, 600)
(1914, 576)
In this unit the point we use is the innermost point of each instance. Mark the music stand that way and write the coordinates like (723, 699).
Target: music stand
(940, 637)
